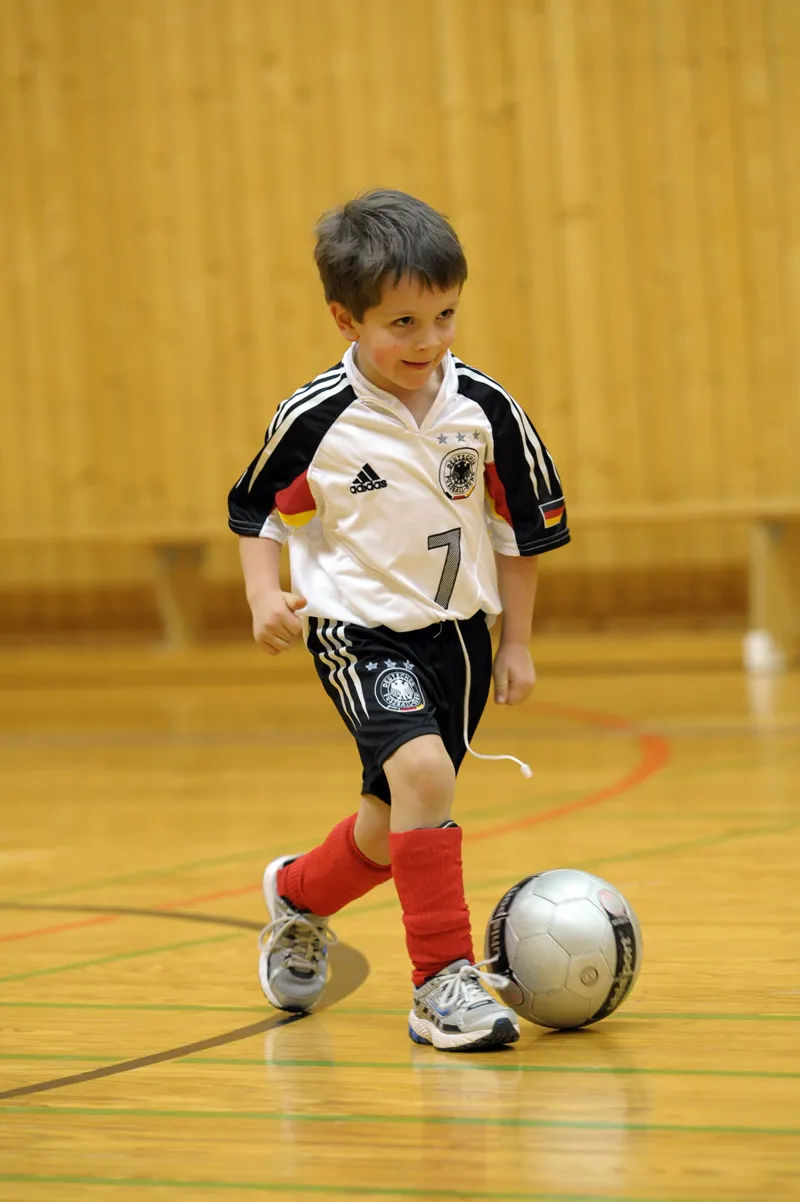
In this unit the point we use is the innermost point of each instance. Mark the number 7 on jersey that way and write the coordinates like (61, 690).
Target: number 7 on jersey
(451, 539)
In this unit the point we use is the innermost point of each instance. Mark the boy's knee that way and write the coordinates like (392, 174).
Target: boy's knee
(421, 774)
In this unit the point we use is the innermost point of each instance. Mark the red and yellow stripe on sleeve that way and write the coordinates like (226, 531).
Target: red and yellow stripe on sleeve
(295, 504)
(496, 492)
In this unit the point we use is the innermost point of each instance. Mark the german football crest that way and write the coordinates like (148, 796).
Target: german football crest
(397, 690)
(458, 473)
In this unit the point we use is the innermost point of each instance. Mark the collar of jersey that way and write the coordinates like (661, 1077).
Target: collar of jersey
(365, 391)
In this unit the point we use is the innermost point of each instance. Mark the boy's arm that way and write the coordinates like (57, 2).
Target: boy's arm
(275, 625)
(514, 673)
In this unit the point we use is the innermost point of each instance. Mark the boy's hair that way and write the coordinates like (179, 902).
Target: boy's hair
(383, 235)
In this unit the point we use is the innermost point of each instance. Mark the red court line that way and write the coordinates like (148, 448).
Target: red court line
(204, 897)
(655, 751)
(80, 923)
(62, 926)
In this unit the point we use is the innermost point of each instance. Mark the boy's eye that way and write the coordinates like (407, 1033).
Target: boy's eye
(445, 315)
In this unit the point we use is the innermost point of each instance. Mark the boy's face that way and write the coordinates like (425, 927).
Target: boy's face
(402, 340)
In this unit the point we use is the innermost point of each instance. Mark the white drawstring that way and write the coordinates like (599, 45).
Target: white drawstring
(524, 768)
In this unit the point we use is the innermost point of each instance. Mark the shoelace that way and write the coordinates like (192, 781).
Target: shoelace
(304, 944)
(465, 987)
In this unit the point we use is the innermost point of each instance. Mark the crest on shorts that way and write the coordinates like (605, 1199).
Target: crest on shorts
(397, 690)
(458, 472)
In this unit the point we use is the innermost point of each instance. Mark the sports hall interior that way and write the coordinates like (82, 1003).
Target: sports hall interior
(625, 178)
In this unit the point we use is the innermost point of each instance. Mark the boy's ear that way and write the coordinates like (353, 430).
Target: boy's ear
(344, 321)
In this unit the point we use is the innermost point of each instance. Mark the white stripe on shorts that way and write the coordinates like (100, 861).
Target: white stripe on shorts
(345, 649)
(333, 668)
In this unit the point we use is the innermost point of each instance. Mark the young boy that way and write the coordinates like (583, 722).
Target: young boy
(417, 495)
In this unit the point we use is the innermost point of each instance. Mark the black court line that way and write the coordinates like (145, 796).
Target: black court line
(350, 970)
(127, 1066)
(184, 915)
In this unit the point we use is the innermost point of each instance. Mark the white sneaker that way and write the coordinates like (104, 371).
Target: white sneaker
(293, 960)
(455, 1012)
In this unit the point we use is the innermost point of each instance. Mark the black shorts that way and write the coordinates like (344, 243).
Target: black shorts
(391, 686)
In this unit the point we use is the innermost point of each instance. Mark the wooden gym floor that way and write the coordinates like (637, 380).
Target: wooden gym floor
(141, 795)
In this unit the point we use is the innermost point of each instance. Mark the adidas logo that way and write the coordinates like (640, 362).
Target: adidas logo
(367, 480)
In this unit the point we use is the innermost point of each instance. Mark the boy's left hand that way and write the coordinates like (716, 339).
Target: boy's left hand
(514, 674)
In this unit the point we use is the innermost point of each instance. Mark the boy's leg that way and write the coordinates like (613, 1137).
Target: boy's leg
(421, 775)
(389, 689)
(352, 860)
(371, 831)
(426, 856)
(452, 1008)
(302, 891)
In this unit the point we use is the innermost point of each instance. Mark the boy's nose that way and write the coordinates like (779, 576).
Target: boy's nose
(427, 340)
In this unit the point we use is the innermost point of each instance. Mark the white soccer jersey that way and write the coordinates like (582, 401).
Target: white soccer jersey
(395, 524)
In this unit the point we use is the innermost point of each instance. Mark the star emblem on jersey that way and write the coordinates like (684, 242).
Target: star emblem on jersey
(458, 473)
(461, 438)
(371, 667)
(398, 691)
(367, 480)
(390, 663)
(408, 667)
(476, 434)
(442, 439)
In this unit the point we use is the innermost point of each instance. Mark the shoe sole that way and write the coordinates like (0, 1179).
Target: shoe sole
(269, 887)
(503, 1032)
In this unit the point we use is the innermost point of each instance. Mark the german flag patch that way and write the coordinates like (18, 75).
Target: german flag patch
(552, 512)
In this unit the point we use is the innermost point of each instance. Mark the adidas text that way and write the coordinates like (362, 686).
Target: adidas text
(367, 480)
(368, 486)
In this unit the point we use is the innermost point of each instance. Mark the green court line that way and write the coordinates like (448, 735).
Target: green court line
(508, 811)
(347, 1191)
(427, 1065)
(475, 888)
(449, 1120)
(661, 1016)
(438, 1066)
(702, 1015)
(180, 1007)
(145, 951)
(670, 849)
(142, 874)
(667, 849)
(677, 772)
(190, 865)
(38, 1056)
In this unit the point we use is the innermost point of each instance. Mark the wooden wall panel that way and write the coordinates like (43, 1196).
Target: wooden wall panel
(625, 175)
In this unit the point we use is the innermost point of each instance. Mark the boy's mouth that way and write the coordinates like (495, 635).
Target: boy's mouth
(411, 363)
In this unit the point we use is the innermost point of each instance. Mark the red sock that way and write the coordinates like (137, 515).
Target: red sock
(333, 874)
(428, 876)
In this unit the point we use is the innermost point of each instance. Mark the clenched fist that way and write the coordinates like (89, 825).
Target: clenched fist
(275, 625)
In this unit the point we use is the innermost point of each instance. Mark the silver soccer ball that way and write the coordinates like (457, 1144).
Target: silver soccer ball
(570, 945)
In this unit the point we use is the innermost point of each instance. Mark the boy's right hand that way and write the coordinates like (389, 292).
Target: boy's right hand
(275, 626)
